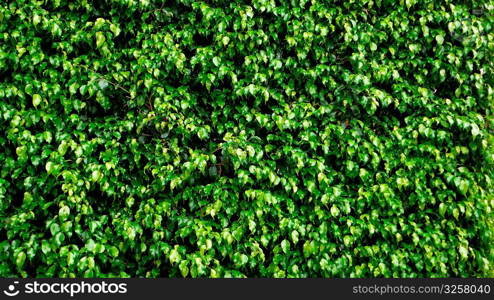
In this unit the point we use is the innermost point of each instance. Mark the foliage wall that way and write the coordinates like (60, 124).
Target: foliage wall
(262, 138)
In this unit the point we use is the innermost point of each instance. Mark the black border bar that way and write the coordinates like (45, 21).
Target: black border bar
(135, 288)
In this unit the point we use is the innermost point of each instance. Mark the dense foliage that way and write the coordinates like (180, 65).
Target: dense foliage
(260, 138)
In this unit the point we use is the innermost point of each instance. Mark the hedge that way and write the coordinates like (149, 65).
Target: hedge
(180, 138)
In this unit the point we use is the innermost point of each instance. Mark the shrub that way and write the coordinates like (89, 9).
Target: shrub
(246, 138)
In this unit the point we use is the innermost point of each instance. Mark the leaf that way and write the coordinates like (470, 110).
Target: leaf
(115, 29)
(285, 246)
(113, 251)
(20, 259)
(402, 182)
(100, 39)
(335, 211)
(325, 199)
(439, 39)
(49, 167)
(463, 252)
(59, 238)
(95, 175)
(456, 213)
(308, 248)
(463, 186)
(475, 130)
(91, 245)
(36, 100)
(213, 171)
(442, 209)
(225, 40)
(216, 61)
(240, 259)
(294, 236)
(71, 258)
(174, 256)
(103, 84)
(64, 212)
(54, 228)
(21, 152)
(184, 270)
(45, 247)
(36, 20)
(202, 133)
(409, 3)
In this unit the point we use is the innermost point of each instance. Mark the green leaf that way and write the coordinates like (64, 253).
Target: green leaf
(54, 228)
(174, 256)
(45, 247)
(463, 186)
(439, 39)
(64, 212)
(294, 236)
(21, 152)
(113, 251)
(20, 259)
(347, 240)
(216, 61)
(463, 252)
(59, 238)
(475, 130)
(335, 211)
(442, 209)
(49, 167)
(100, 39)
(115, 29)
(91, 245)
(202, 133)
(36, 100)
(285, 246)
(95, 175)
(184, 269)
(36, 19)
(225, 40)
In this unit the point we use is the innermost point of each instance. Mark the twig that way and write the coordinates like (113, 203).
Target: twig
(115, 85)
(217, 149)
(149, 104)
